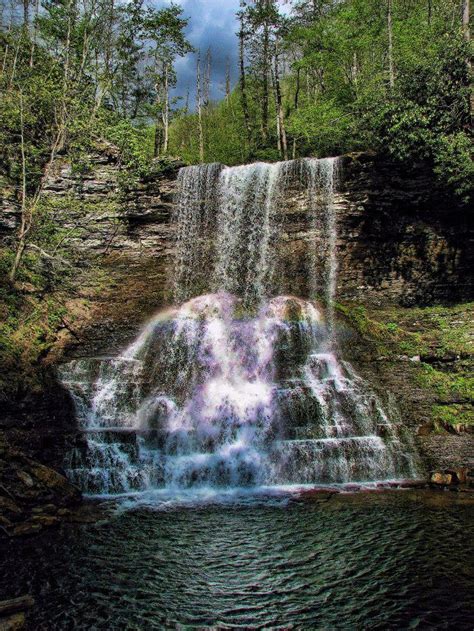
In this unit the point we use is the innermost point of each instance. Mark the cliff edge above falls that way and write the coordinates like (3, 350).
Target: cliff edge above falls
(401, 240)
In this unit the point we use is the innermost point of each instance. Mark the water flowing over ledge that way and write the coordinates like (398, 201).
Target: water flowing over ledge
(238, 386)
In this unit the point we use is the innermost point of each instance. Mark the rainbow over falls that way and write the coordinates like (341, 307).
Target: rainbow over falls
(239, 385)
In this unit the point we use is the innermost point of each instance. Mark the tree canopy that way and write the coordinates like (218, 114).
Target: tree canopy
(323, 77)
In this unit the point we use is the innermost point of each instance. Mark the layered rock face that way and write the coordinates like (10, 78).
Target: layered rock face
(399, 239)
(402, 239)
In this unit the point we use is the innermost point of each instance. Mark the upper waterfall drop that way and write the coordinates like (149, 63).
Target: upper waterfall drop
(228, 223)
(240, 384)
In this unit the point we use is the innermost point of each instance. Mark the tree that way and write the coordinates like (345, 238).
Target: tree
(243, 78)
(199, 105)
(164, 28)
(282, 141)
(129, 86)
(262, 20)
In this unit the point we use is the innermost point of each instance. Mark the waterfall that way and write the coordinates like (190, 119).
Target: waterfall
(237, 385)
(249, 198)
(194, 214)
(322, 180)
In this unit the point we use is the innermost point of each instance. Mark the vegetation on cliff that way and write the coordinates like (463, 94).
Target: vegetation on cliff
(436, 346)
(325, 77)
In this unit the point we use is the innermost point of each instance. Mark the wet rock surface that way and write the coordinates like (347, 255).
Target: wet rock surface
(33, 496)
(13, 612)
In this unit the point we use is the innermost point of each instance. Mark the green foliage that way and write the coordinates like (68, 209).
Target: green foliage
(454, 164)
(223, 134)
(447, 385)
(135, 143)
(441, 336)
(427, 116)
(453, 414)
(336, 91)
(324, 123)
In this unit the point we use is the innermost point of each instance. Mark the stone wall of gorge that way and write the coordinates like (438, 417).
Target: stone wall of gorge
(400, 241)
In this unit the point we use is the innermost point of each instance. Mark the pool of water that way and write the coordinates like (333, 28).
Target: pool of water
(391, 560)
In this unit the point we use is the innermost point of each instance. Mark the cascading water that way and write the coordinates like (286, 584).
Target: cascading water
(239, 386)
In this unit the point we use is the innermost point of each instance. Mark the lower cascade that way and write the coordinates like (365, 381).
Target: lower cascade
(239, 386)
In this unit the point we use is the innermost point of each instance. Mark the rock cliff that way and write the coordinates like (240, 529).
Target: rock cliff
(401, 242)
(400, 239)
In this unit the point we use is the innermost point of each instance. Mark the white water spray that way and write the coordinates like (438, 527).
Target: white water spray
(235, 387)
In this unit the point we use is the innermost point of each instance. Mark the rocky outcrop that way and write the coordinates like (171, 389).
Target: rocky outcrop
(400, 241)
(447, 452)
(9, 208)
(402, 238)
(107, 212)
(32, 495)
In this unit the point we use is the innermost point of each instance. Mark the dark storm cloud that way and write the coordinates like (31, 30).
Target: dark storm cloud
(212, 24)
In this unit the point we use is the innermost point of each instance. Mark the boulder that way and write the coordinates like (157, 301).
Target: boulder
(31, 494)
(12, 612)
(441, 479)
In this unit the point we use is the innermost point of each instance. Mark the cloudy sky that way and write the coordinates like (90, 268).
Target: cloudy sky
(212, 23)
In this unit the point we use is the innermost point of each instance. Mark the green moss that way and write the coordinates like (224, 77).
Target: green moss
(388, 338)
(455, 414)
(447, 385)
(442, 336)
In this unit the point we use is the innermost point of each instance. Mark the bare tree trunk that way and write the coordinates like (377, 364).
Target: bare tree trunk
(158, 141)
(227, 80)
(25, 221)
(279, 148)
(279, 103)
(28, 208)
(166, 110)
(297, 89)
(355, 69)
(207, 80)
(108, 45)
(430, 11)
(186, 101)
(296, 105)
(391, 70)
(62, 124)
(35, 33)
(465, 20)
(15, 59)
(5, 57)
(265, 99)
(199, 109)
(85, 38)
(243, 82)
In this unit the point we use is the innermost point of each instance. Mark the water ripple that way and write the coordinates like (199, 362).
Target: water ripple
(388, 561)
